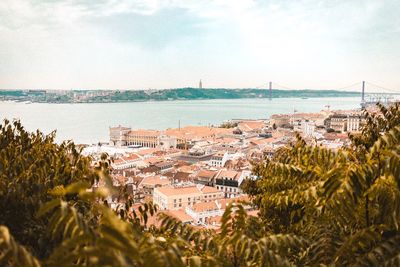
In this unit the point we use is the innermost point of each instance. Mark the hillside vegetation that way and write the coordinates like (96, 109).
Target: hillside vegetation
(317, 208)
(98, 96)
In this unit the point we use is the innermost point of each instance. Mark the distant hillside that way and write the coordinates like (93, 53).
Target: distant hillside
(102, 96)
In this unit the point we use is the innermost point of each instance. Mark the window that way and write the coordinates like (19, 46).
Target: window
(174, 200)
(174, 205)
(180, 200)
(180, 204)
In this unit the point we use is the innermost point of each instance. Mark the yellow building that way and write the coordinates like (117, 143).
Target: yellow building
(172, 198)
(144, 138)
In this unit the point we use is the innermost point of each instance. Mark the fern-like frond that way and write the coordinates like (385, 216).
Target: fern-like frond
(13, 254)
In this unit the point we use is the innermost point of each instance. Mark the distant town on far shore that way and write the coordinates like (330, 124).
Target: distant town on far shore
(188, 93)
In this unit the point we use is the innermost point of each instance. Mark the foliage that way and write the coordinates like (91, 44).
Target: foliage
(229, 124)
(13, 254)
(345, 202)
(30, 165)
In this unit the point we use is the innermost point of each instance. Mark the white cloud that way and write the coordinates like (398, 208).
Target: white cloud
(109, 43)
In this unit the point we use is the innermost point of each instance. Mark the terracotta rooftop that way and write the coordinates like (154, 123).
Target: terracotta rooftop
(190, 168)
(182, 176)
(182, 163)
(172, 191)
(154, 180)
(131, 157)
(150, 169)
(228, 174)
(263, 141)
(334, 136)
(179, 214)
(206, 174)
(118, 161)
(209, 189)
(204, 206)
(147, 151)
(192, 132)
(154, 160)
(169, 174)
(251, 125)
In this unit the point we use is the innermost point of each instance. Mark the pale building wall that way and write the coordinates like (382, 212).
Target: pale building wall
(181, 201)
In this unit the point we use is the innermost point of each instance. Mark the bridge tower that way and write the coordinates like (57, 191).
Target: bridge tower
(270, 90)
(363, 92)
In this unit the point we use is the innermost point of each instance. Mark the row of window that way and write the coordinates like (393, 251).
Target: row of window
(226, 189)
(198, 198)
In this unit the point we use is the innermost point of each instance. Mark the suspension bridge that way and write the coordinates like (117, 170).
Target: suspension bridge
(376, 93)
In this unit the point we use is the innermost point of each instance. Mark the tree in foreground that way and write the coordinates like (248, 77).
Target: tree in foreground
(346, 204)
(30, 165)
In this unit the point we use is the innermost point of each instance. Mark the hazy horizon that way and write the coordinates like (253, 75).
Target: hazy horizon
(154, 44)
(187, 87)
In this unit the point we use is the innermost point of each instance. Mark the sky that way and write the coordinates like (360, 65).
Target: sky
(141, 44)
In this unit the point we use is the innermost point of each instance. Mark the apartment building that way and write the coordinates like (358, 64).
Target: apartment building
(345, 122)
(150, 182)
(229, 182)
(205, 177)
(219, 159)
(172, 198)
(354, 123)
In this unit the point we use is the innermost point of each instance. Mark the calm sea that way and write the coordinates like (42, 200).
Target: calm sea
(88, 123)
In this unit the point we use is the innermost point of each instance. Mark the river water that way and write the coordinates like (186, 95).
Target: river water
(88, 123)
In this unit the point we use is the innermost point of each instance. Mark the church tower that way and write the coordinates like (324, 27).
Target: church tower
(200, 85)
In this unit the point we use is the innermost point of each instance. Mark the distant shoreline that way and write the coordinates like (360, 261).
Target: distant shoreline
(182, 94)
(87, 124)
(171, 100)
